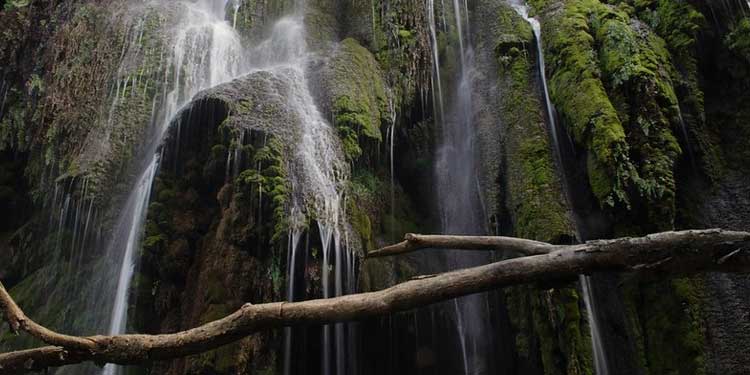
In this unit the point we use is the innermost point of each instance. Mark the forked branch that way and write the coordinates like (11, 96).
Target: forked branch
(668, 253)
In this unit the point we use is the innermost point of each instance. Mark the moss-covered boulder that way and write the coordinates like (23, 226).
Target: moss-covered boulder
(356, 95)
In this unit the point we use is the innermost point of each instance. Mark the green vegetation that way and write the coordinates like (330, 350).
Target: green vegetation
(358, 96)
(624, 109)
(535, 196)
(669, 322)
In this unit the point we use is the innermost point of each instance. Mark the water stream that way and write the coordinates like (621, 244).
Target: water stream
(600, 358)
(459, 205)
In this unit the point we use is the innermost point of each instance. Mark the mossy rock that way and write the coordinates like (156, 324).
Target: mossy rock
(357, 97)
(535, 197)
(624, 108)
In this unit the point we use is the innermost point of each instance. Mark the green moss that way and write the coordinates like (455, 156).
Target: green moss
(738, 41)
(624, 107)
(549, 324)
(400, 42)
(67, 106)
(680, 25)
(543, 215)
(269, 180)
(358, 95)
(670, 315)
(535, 195)
(637, 67)
(587, 111)
(360, 221)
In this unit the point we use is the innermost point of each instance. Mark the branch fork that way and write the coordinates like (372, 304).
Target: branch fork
(667, 253)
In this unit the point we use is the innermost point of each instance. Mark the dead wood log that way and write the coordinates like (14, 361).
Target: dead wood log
(663, 254)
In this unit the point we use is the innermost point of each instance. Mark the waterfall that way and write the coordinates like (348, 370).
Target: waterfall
(206, 52)
(600, 358)
(142, 193)
(459, 204)
(293, 239)
(236, 5)
(389, 138)
(436, 81)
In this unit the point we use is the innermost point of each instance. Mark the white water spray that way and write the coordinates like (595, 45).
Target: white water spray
(206, 52)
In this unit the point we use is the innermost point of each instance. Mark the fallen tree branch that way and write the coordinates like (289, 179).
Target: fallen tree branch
(18, 321)
(414, 242)
(668, 253)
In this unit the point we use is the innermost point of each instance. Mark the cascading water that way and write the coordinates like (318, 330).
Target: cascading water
(459, 204)
(600, 358)
(206, 52)
(141, 197)
(437, 92)
(318, 175)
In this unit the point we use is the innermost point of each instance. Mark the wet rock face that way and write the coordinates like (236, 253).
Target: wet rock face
(521, 179)
(727, 306)
(212, 237)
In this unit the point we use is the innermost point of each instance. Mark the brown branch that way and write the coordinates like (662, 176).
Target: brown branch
(413, 242)
(666, 253)
(18, 321)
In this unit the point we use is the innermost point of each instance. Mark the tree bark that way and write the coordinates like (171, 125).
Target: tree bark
(413, 242)
(668, 253)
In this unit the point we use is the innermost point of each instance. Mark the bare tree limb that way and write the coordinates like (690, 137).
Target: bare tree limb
(17, 320)
(414, 242)
(668, 253)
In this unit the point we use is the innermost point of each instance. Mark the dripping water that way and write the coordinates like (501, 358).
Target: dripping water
(318, 175)
(600, 358)
(237, 5)
(293, 239)
(119, 312)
